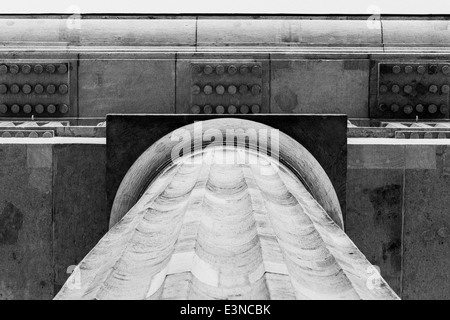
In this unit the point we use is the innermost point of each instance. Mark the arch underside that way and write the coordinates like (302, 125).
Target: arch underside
(211, 228)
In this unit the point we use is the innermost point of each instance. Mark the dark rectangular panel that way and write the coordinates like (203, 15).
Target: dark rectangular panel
(324, 136)
(79, 196)
(374, 218)
(426, 235)
(26, 270)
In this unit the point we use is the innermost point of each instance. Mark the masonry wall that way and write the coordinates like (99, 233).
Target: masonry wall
(53, 211)
(398, 200)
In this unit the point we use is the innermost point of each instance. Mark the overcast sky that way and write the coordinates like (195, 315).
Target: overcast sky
(228, 6)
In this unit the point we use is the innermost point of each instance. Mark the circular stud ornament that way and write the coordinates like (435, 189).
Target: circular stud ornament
(26, 89)
(39, 108)
(14, 68)
(382, 107)
(408, 89)
(220, 109)
(50, 68)
(232, 69)
(433, 69)
(243, 69)
(421, 69)
(432, 108)
(208, 69)
(63, 88)
(220, 89)
(428, 135)
(433, 88)
(395, 88)
(64, 108)
(15, 108)
(443, 232)
(195, 109)
(207, 89)
(51, 89)
(232, 109)
(443, 109)
(409, 69)
(244, 109)
(38, 69)
(396, 69)
(445, 88)
(39, 88)
(196, 69)
(220, 69)
(383, 88)
(207, 109)
(51, 108)
(256, 70)
(243, 89)
(26, 68)
(420, 108)
(256, 108)
(232, 89)
(27, 108)
(408, 109)
(3, 69)
(395, 107)
(62, 68)
(14, 88)
(195, 89)
(256, 90)
(3, 108)
(3, 89)
(446, 70)
(20, 135)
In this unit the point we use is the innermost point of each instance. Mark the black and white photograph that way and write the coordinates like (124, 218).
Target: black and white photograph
(240, 152)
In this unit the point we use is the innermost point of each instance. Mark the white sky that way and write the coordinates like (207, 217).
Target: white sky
(228, 6)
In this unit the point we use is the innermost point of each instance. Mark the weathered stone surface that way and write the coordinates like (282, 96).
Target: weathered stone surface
(126, 86)
(320, 86)
(421, 33)
(26, 222)
(426, 231)
(285, 32)
(99, 32)
(374, 218)
(375, 156)
(80, 216)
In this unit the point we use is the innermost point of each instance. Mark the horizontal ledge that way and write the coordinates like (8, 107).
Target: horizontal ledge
(52, 141)
(401, 142)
